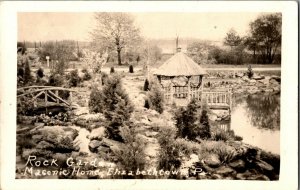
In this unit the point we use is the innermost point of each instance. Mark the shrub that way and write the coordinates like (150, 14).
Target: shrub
(112, 70)
(73, 78)
(40, 73)
(186, 121)
(21, 47)
(138, 59)
(130, 69)
(238, 138)
(249, 72)
(156, 98)
(96, 103)
(87, 76)
(114, 103)
(225, 152)
(204, 132)
(146, 85)
(188, 147)
(147, 105)
(56, 80)
(20, 76)
(169, 155)
(25, 106)
(104, 77)
(20, 72)
(222, 135)
(27, 72)
(131, 154)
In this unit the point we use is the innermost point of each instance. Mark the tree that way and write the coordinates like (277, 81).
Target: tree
(199, 51)
(156, 98)
(186, 119)
(115, 31)
(204, 125)
(117, 107)
(62, 52)
(27, 72)
(252, 45)
(131, 155)
(232, 39)
(266, 33)
(236, 54)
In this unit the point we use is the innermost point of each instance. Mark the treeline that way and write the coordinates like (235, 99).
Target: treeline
(40, 44)
(125, 45)
(262, 45)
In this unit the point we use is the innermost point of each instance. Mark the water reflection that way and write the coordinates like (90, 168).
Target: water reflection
(257, 119)
(263, 110)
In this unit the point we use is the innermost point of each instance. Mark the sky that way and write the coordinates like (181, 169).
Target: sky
(76, 26)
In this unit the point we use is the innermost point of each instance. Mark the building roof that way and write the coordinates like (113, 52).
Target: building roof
(180, 65)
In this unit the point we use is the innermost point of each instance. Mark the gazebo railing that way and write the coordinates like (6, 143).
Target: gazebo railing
(217, 98)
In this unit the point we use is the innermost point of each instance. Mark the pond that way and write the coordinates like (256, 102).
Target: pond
(257, 119)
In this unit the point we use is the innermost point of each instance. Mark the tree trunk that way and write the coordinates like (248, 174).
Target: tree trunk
(254, 56)
(119, 56)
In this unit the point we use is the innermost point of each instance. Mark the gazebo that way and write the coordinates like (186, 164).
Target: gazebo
(181, 79)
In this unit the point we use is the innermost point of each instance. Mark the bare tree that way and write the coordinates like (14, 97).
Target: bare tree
(116, 31)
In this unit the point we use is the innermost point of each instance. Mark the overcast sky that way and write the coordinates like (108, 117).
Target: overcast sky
(76, 26)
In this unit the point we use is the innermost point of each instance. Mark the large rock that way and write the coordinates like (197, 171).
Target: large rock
(274, 82)
(60, 138)
(150, 133)
(27, 120)
(265, 81)
(81, 111)
(245, 78)
(98, 133)
(225, 171)
(276, 78)
(61, 158)
(264, 166)
(37, 138)
(45, 145)
(39, 124)
(260, 177)
(258, 77)
(240, 74)
(212, 160)
(238, 165)
(93, 145)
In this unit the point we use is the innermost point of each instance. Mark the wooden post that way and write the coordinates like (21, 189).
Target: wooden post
(46, 101)
(189, 89)
(47, 58)
(71, 97)
(171, 93)
(56, 93)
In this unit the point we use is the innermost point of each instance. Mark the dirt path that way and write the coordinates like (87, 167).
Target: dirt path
(133, 84)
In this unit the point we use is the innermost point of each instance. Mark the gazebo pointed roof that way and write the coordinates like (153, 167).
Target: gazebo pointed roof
(180, 65)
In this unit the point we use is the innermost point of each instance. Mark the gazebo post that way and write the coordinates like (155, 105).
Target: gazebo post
(189, 88)
(171, 91)
(201, 91)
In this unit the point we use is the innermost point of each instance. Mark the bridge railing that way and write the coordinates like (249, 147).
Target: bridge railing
(47, 93)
